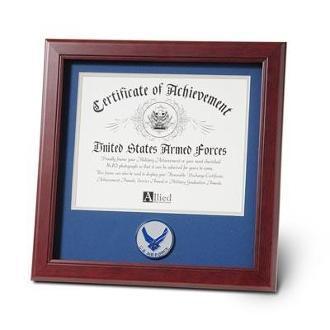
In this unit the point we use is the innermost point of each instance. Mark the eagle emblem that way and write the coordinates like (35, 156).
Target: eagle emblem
(160, 118)
(154, 243)
(164, 119)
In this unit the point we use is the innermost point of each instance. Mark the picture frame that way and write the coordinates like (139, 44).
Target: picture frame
(50, 241)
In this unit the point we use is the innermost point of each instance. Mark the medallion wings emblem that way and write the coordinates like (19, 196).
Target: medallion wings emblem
(154, 243)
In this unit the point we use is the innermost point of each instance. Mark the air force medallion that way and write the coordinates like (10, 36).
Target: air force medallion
(154, 239)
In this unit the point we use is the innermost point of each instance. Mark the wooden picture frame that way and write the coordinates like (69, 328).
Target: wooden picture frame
(262, 277)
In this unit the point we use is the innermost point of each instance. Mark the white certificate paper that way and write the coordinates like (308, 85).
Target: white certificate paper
(165, 143)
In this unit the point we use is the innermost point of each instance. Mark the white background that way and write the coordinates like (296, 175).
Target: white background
(304, 274)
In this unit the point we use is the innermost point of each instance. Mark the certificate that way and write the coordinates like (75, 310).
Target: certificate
(160, 143)
(160, 164)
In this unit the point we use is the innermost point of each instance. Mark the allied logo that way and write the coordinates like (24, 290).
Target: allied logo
(154, 239)
(153, 197)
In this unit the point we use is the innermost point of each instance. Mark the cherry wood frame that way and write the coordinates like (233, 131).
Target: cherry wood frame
(263, 277)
